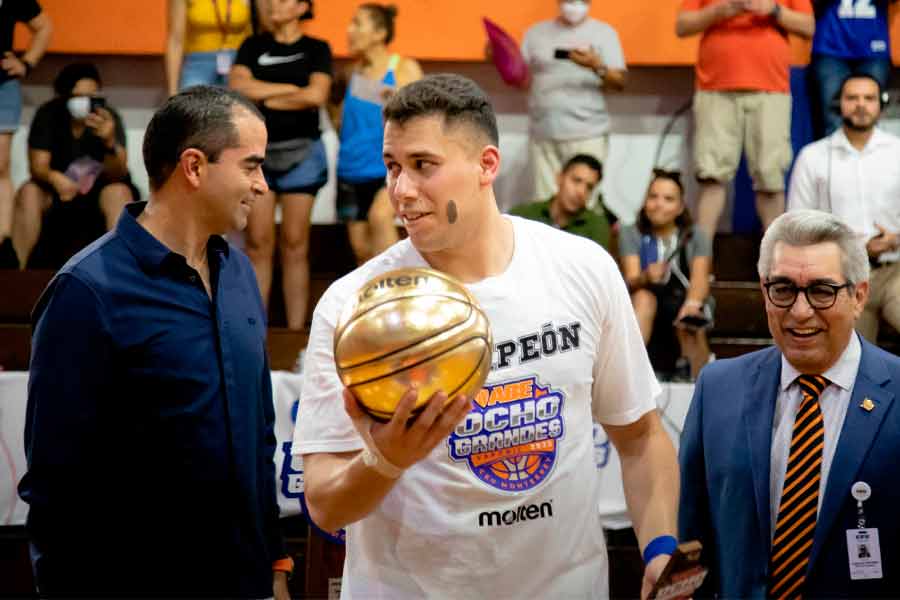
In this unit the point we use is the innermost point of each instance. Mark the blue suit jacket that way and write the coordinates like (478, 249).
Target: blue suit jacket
(725, 477)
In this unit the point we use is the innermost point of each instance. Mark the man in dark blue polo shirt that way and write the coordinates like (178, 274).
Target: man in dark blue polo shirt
(149, 431)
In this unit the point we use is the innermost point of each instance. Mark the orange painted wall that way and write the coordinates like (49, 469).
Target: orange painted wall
(427, 29)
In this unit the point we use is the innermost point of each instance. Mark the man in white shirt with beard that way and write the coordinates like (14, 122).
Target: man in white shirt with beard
(855, 174)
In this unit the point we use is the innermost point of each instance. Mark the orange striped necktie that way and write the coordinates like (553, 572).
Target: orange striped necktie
(796, 523)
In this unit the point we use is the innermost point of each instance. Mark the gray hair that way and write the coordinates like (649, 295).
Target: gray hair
(808, 227)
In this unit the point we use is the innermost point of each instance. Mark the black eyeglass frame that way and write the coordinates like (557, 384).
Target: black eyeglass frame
(836, 289)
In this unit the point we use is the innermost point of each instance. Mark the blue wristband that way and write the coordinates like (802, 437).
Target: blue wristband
(663, 544)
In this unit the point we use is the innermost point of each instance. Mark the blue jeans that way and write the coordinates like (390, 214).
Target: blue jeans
(10, 105)
(825, 75)
(308, 177)
(199, 68)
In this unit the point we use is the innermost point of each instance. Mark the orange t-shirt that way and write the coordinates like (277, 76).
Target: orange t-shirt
(745, 52)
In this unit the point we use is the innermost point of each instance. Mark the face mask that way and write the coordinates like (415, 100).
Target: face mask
(79, 106)
(574, 12)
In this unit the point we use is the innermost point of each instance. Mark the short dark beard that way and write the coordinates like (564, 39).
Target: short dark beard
(452, 213)
(848, 123)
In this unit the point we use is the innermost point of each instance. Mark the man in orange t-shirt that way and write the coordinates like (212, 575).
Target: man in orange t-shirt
(743, 97)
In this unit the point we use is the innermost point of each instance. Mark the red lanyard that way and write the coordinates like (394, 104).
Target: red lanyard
(223, 26)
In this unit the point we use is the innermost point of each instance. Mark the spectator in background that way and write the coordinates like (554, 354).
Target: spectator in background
(666, 261)
(203, 38)
(14, 67)
(743, 97)
(572, 60)
(852, 36)
(567, 208)
(855, 174)
(79, 171)
(287, 73)
(357, 98)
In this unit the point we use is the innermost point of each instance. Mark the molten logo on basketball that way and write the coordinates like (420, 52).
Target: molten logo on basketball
(509, 439)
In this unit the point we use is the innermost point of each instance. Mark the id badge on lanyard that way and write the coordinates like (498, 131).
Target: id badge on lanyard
(223, 57)
(863, 547)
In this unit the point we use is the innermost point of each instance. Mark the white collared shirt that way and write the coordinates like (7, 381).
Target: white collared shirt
(833, 401)
(862, 187)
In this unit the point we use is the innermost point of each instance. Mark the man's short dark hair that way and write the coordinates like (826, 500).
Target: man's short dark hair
(587, 160)
(200, 117)
(862, 75)
(456, 98)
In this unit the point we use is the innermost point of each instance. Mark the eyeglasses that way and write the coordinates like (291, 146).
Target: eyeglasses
(820, 296)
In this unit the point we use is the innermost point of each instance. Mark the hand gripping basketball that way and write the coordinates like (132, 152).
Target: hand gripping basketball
(411, 328)
(406, 439)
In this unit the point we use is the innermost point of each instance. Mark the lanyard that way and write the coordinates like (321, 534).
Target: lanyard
(223, 26)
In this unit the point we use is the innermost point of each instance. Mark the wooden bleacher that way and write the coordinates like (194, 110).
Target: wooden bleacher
(740, 320)
(740, 323)
(330, 257)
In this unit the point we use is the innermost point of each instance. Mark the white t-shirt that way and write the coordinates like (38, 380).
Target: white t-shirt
(565, 102)
(566, 346)
(862, 187)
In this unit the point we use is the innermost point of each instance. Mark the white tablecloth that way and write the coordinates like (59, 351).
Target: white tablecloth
(673, 404)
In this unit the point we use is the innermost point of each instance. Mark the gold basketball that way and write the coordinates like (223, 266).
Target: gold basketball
(411, 327)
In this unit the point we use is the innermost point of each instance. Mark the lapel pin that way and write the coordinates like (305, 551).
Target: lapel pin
(867, 405)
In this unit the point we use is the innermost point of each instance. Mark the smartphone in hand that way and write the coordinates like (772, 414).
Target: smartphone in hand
(683, 573)
(562, 54)
(97, 102)
(694, 321)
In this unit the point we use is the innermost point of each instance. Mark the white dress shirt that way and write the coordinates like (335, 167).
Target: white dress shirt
(833, 401)
(862, 187)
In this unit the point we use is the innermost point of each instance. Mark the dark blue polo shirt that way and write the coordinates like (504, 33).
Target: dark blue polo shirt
(149, 431)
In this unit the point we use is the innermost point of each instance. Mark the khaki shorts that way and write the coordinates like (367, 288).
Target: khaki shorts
(884, 293)
(548, 158)
(759, 123)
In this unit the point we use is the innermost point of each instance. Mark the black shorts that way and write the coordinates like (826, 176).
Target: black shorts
(67, 227)
(354, 199)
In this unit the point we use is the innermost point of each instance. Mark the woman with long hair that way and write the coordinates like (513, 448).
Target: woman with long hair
(666, 261)
(288, 73)
(357, 100)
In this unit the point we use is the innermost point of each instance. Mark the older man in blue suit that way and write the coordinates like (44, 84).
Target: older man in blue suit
(778, 443)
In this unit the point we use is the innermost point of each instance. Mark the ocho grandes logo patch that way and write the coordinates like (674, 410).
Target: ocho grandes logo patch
(510, 437)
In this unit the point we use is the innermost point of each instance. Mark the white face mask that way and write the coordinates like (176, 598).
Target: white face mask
(574, 11)
(79, 106)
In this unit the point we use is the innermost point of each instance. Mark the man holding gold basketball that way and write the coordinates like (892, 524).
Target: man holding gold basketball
(493, 495)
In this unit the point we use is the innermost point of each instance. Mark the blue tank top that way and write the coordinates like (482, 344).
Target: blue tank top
(362, 130)
(853, 29)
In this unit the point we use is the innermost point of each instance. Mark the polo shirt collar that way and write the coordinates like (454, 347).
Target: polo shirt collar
(151, 254)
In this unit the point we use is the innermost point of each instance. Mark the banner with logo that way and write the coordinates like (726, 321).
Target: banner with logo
(673, 405)
(13, 396)
(286, 389)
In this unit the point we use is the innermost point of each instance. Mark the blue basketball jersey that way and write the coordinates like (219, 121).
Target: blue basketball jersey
(853, 29)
